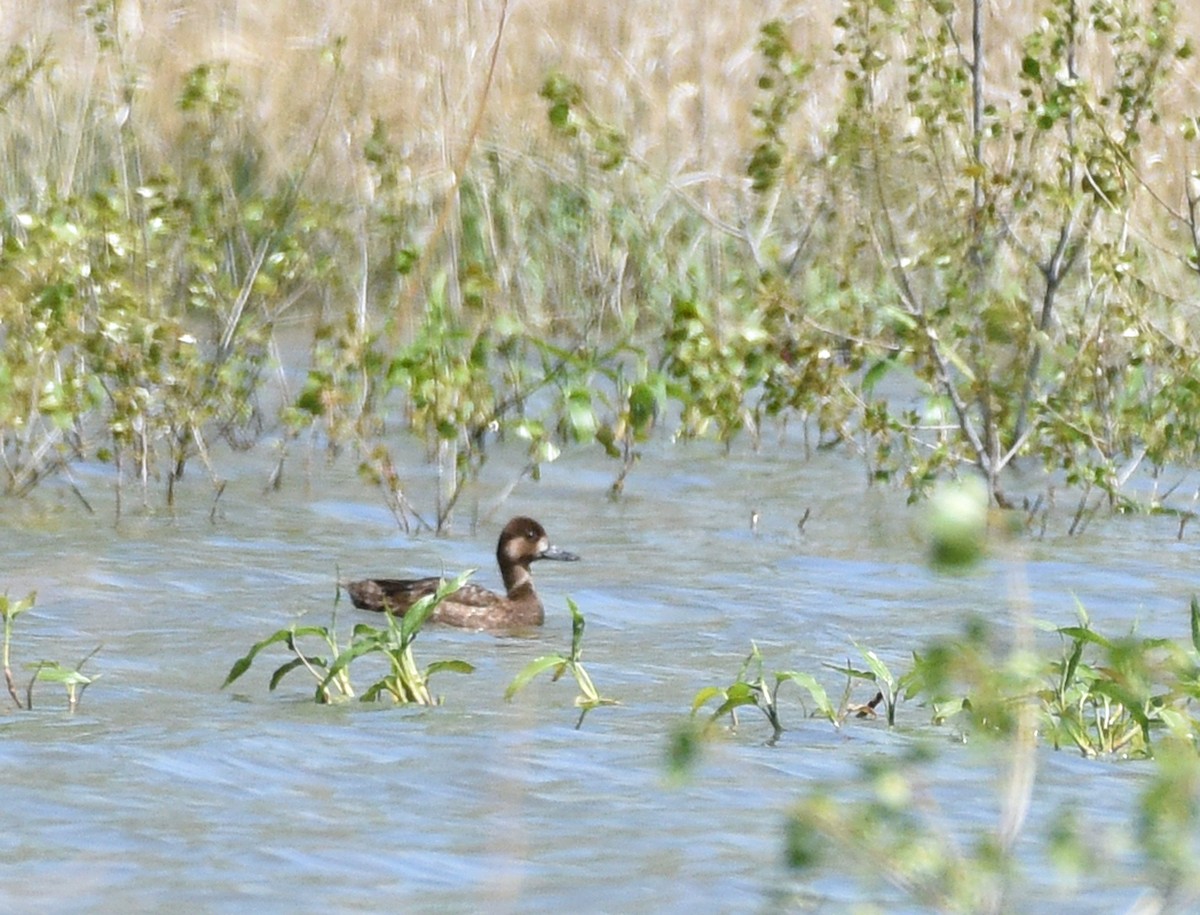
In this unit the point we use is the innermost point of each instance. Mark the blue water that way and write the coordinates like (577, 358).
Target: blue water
(164, 792)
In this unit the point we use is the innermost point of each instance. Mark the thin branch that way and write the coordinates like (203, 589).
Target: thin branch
(977, 74)
(12, 686)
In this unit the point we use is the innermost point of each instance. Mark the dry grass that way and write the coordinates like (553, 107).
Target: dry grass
(419, 70)
(538, 233)
(678, 77)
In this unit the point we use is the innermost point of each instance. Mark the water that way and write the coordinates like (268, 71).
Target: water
(164, 792)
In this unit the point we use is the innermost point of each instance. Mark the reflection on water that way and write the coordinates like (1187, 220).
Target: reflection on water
(165, 793)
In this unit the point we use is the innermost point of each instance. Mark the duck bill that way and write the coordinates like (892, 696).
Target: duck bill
(553, 552)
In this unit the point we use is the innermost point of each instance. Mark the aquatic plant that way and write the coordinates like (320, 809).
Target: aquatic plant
(72, 678)
(1124, 697)
(751, 688)
(880, 676)
(405, 683)
(890, 814)
(1130, 697)
(933, 281)
(1105, 696)
(892, 821)
(589, 697)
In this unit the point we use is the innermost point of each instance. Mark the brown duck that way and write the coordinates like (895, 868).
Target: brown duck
(522, 542)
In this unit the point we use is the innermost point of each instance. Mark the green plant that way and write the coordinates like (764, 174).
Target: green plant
(445, 373)
(982, 260)
(405, 683)
(879, 675)
(10, 610)
(1116, 702)
(1105, 696)
(889, 815)
(139, 305)
(751, 688)
(938, 282)
(1122, 697)
(1167, 818)
(571, 117)
(73, 679)
(892, 821)
(572, 663)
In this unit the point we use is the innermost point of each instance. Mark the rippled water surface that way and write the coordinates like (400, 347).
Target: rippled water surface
(164, 792)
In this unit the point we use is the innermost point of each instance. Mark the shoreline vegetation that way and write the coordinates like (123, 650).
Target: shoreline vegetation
(947, 238)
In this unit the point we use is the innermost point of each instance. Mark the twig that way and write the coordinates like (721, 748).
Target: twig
(1185, 517)
(29, 689)
(12, 687)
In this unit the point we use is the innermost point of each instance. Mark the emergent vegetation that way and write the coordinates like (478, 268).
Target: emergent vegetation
(1101, 695)
(968, 261)
(589, 697)
(974, 249)
(73, 679)
(404, 682)
(750, 688)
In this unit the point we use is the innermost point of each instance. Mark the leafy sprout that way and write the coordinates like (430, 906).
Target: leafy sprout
(751, 688)
(589, 697)
(44, 671)
(404, 683)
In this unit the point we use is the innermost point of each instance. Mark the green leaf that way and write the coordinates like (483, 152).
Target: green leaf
(878, 668)
(584, 681)
(875, 374)
(813, 688)
(458, 667)
(241, 665)
(366, 630)
(1195, 623)
(1081, 738)
(284, 669)
(734, 702)
(577, 626)
(11, 609)
(742, 692)
(852, 672)
(643, 406)
(1084, 634)
(53, 672)
(416, 616)
(581, 415)
(346, 657)
(531, 670)
(703, 696)
(375, 689)
(1068, 678)
(1179, 723)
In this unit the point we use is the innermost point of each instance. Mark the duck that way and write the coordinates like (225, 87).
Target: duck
(522, 542)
